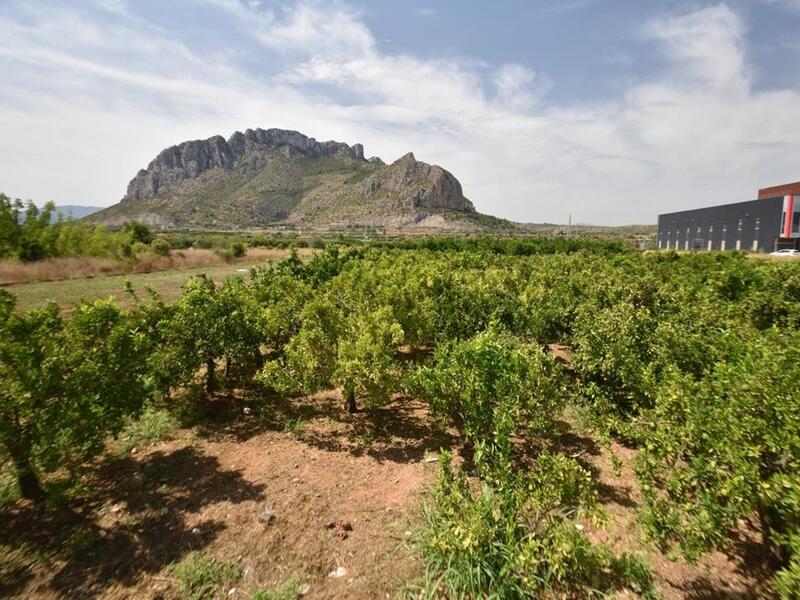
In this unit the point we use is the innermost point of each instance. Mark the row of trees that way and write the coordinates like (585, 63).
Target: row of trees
(692, 358)
(29, 233)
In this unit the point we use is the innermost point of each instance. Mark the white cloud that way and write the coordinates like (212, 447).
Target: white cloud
(89, 105)
(706, 46)
(518, 86)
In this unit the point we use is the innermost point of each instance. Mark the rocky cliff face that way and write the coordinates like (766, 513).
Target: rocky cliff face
(189, 159)
(263, 177)
(419, 185)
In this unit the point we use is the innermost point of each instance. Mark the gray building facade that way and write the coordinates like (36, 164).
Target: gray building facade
(755, 225)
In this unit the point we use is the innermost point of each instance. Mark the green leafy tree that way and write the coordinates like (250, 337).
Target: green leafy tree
(205, 324)
(66, 386)
(720, 448)
(356, 352)
(491, 386)
(138, 232)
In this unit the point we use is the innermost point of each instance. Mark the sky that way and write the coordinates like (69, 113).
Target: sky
(608, 111)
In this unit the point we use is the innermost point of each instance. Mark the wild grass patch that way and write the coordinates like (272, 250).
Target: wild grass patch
(200, 577)
(289, 589)
(153, 425)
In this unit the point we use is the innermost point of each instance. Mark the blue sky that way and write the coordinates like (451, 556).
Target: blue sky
(612, 111)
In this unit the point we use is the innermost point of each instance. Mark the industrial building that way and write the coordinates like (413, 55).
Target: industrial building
(770, 223)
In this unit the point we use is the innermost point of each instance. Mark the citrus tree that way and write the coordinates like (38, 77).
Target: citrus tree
(67, 385)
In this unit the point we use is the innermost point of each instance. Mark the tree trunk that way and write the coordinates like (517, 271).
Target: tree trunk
(28, 481)
(350, 401)
(258, 358)
(776, 554)
(209, 375)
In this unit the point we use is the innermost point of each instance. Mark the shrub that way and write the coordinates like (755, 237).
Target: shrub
(723, 447)
(238, 249)
(160, 246)
(138, 232)
(520, 537)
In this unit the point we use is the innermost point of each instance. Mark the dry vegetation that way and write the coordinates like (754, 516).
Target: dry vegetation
(54, 269)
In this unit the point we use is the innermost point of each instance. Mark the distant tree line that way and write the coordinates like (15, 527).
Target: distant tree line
(29, 233)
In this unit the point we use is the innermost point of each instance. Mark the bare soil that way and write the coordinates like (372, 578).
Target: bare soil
(344, 490)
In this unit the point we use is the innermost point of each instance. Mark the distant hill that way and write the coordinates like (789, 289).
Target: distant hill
(76, 211)
(272, 177)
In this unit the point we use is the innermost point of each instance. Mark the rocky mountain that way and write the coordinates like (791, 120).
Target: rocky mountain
(267, 177)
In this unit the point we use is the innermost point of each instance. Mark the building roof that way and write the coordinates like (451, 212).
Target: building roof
(779, 190)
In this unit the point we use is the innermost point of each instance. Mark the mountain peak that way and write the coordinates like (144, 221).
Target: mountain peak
(407, 157)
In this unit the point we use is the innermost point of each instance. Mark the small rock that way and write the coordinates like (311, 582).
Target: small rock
(303, 589)
(247, 410)
(195, 531)
(266, 516)
(338, 572)
(133, 450)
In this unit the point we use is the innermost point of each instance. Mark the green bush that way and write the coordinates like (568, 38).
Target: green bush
(160, 246)
(519, 538)
(238, 249)
(726, 446)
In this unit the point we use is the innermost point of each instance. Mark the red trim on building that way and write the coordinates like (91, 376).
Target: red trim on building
(788, 208)
(780, 190)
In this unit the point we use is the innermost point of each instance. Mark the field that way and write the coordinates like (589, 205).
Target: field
(167, 281)
(430, 419)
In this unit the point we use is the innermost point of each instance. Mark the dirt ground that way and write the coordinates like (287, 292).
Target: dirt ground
(344, 490)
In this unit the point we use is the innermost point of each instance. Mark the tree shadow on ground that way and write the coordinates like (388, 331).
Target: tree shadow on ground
(134, 522)
(583, 449)
(401, 431)
(704, 588)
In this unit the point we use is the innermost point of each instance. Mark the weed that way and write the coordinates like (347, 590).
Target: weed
(152, 426)
(287, 590)
(200, 577)
(294, 427)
